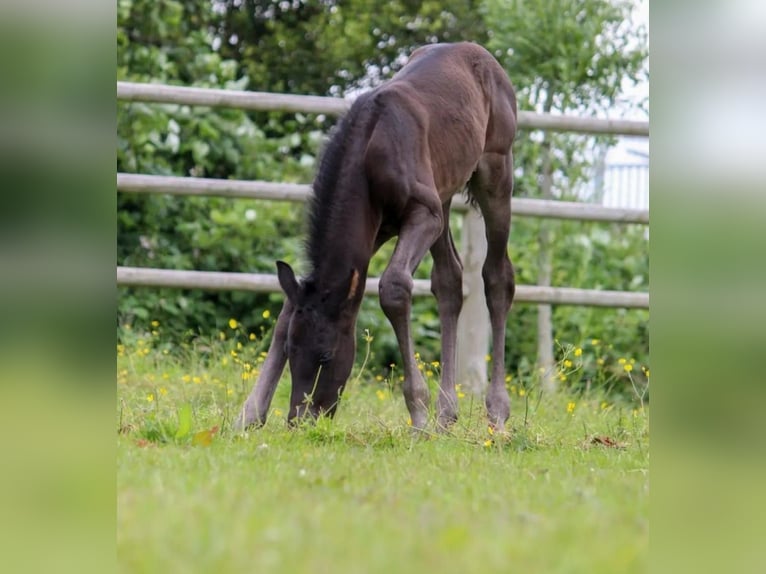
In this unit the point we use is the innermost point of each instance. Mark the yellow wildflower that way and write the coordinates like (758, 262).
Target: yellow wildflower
(594, 342)
(604, 405)
(221, 335)
(522, 392)
(155, 324)
(487, 358)
(567, 363)
(508, 378)
(628, 367)
(233, 323)
(488, 443)
(622, 361)
(196, 380)
(266, 314)
(571, 407)
(186, 378)
(380, 394)
(163, 391)
(435, 364)
(600, 361)
(277, 413)
(251, 336)
(150, 397)
(578, 352)
(490, 430)
(379, 378)
(229, 392)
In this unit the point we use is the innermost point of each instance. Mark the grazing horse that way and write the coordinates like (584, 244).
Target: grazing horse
(445, 121)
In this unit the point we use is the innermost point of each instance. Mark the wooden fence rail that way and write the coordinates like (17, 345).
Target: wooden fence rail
(159, 93)
(135, 183)
(266, 283)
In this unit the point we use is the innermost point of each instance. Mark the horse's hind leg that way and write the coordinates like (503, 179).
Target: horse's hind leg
(492, 187)
(447, 287)
(420, 228)
(256, 408)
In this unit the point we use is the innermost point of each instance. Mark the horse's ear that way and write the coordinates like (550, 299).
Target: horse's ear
(344, 292)
(287, 280)
(353, 284)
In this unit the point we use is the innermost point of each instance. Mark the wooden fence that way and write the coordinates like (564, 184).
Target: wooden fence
(473, 229)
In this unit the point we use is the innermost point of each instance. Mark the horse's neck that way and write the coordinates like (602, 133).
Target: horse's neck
(349, 244)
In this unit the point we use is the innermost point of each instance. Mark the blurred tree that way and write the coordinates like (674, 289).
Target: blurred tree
(564, 56)
(328, 47)
(173, 42)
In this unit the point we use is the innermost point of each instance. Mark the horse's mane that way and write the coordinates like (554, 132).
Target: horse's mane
(324, 201)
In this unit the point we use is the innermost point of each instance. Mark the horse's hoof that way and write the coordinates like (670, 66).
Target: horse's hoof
(445, 421)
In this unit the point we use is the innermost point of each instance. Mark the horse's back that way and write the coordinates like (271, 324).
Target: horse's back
(450, 104)
(466, 78)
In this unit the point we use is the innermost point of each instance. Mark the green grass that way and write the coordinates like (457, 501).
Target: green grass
(362, 494)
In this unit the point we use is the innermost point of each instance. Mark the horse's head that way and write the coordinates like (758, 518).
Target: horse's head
(320, 341)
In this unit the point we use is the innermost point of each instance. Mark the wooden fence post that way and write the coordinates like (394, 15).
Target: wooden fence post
(473, 326)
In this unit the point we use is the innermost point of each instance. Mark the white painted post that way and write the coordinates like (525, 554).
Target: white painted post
(473, 326)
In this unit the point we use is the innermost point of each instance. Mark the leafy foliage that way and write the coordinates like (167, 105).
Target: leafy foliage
(337, 48)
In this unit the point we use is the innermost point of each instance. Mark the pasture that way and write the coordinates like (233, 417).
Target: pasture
(565, 490)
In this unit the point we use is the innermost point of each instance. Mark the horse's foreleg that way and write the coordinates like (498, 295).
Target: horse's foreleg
(256, 407)
(493, 193)
(420, 229)
(447, 287)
